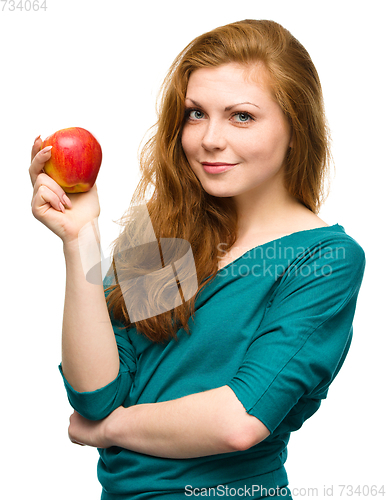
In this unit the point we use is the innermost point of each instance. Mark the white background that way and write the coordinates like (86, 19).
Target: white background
(98, 65)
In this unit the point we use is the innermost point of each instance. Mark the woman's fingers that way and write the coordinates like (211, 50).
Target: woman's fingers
(38, 159)
(44, 180)
(39, 178)
(43, 200)
(36, 147)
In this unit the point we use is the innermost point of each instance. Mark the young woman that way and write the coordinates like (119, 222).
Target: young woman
(200, 398)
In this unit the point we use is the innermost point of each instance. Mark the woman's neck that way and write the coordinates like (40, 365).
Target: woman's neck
(268, 210)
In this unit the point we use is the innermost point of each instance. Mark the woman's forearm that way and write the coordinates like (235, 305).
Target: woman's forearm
(89, 350)
(206, 423)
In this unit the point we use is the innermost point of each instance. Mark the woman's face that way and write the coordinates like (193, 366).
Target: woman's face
(235, 135)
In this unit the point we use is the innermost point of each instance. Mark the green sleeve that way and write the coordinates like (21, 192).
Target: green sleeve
(305, 333)
(96, 405)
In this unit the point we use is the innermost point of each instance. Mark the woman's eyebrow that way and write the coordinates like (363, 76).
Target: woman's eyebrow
(239, 104)
(228, 108)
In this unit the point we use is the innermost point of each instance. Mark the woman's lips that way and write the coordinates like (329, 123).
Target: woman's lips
(217, 168)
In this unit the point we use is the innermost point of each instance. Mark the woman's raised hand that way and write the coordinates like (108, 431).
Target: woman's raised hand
(64, 214)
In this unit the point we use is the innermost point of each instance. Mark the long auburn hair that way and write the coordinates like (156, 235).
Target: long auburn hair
(178, 206)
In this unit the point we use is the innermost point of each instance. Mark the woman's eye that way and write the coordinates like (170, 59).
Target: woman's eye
(243, 117)
(195, 114)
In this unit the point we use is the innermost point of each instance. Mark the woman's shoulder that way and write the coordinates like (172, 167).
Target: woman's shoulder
(311, 228)
(334, 236)
(332, 256)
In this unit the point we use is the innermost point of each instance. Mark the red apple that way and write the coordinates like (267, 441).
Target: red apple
(76, 157)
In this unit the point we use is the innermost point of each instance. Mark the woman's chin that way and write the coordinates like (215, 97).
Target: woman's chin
(218, 192)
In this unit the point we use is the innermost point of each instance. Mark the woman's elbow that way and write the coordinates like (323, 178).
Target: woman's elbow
(247, 434)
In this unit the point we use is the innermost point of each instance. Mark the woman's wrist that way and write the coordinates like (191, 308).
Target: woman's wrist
(113, 427)
(85, 249)
(88, 235)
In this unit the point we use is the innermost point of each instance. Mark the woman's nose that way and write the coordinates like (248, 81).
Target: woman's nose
(213, 136)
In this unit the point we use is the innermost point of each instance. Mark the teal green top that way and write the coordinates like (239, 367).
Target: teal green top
(275, 325)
